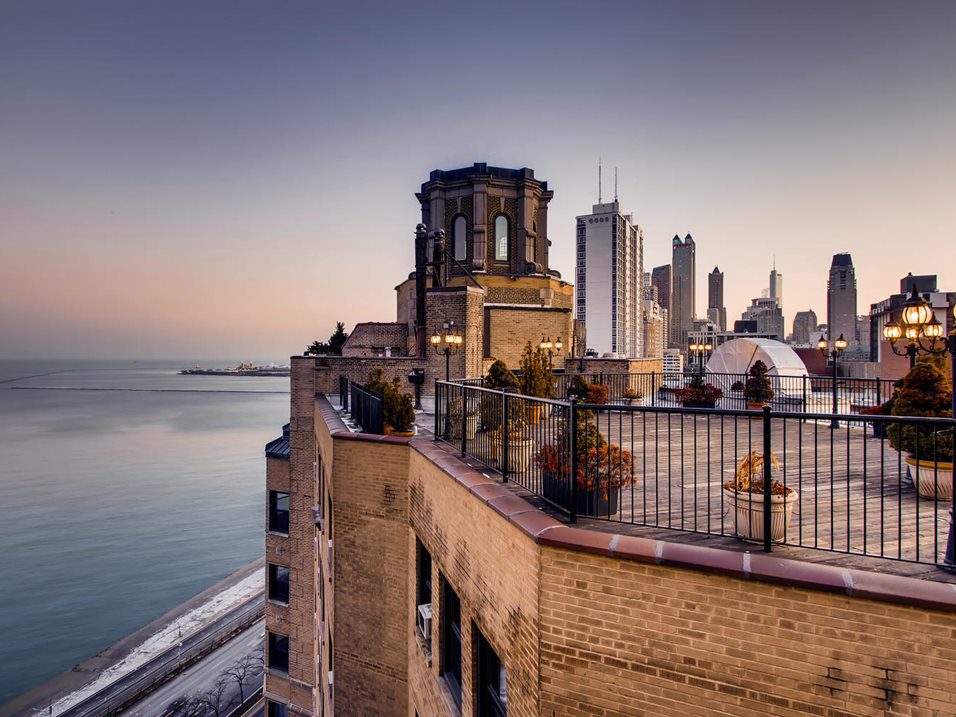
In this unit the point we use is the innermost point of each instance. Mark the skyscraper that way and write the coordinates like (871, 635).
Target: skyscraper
(841, 299)
(776, 287)
(804, 327)
(610, 277)
(683, 290)
(661, 280)
(716, 312)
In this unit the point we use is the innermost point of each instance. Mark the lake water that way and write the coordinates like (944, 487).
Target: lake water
(118, 505)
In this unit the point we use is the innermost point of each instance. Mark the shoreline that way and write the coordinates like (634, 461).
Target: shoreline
(83, 673)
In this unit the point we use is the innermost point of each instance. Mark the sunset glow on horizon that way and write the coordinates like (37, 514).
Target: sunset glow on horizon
(230, 179)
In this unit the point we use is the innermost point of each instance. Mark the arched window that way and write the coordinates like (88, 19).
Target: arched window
(460, 229)
(501, 238)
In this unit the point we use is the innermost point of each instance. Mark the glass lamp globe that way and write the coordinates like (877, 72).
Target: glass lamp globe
(933, 330)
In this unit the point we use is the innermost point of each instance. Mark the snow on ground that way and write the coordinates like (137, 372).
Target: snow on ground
(166, 638)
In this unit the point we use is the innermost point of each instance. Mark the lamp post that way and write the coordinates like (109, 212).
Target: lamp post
(839, 346)
(447, 343)
(698, 350)
(918, 323)
(552, 347)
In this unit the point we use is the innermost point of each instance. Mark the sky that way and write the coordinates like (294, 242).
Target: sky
(229, 179)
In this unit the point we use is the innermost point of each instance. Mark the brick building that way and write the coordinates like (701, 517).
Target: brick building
(481, 263)
(531, 616)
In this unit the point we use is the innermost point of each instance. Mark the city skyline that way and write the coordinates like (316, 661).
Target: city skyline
(206, 194)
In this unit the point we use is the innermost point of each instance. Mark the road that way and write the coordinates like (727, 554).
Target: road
(199, 677)
(154, 672)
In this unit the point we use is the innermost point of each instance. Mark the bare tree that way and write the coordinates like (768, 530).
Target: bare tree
(214, 699)
(244, 669)
(191, 706)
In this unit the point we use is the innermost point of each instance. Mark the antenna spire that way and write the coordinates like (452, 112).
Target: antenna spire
(615, 184)
(599, 179)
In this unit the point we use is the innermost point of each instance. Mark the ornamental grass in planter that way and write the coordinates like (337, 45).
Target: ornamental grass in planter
(745, 496)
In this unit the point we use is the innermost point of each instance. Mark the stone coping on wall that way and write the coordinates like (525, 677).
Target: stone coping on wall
(546, 530)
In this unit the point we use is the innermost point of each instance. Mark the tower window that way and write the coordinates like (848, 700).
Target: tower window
(501, 238)
(460, 229)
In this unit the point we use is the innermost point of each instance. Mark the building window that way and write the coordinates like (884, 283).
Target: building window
(278, 652)
(451, 640)
(279, 583)
(278, 512)
(460, 243)
(492, 681)
(501, 238)
(424, 592)
(277, 709)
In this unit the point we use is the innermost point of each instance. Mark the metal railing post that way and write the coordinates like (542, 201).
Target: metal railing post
(437, 414)
(504, 437)
(572, 508)
(767, 482)
(804, 393)
(464, 422)
(653, 388)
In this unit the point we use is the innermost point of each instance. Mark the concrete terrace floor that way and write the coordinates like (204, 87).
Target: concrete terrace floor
(682, 460)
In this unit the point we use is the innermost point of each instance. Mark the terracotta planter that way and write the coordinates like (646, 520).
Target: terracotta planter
(591, 504)
(933, 480)
(756, 406)
(748, 512)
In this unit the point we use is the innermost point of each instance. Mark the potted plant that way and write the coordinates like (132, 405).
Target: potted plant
(499, 378)
(602, 470)
(520, 445)
(470, 418)
(925, 392)
(699, 394)
(631, 395)
(737, 386)
(745, 496)
(757, 391)
(882, 409)
(536, 380)
(398, 410)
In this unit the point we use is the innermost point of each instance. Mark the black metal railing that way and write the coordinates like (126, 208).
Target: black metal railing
(834, 481)
(791, 393)
(344, 392)
(366, 409)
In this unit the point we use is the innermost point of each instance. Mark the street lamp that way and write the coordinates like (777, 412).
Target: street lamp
(447, 343)
(699, 349)
(917, 322)
(839, 346)
(552, 347)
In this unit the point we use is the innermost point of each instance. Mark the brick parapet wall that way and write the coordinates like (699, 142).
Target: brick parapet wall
(596, 623)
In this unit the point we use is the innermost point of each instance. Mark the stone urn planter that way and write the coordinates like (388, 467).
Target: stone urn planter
(748, 513)
(933, 480)
(520, 453)
(471, 426)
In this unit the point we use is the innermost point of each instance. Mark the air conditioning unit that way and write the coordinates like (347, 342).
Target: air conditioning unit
(425, 620)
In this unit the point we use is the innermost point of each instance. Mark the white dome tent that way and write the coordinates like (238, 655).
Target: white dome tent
(738, 355)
